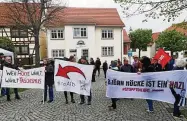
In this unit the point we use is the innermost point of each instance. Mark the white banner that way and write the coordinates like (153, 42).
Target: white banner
(154, 86)
(31, 78)
(1, 73)
(73, 77)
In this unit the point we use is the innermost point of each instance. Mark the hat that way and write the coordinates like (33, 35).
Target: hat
(135, 56)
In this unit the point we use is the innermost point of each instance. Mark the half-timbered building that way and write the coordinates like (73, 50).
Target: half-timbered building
(21, 38)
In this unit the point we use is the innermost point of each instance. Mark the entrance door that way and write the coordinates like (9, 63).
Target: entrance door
(85, 53)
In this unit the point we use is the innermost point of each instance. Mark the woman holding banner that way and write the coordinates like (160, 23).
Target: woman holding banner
(179, 98)
(148, 67)
(71, 59)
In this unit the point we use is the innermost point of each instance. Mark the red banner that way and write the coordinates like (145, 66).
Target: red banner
(162, 57)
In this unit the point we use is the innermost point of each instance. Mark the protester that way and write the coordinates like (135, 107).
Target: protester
(180, 65)
(147, 67)
(71, 59)
(119, 63)
(156, 65)
(113, 66)
(97, 65)
(2, 59)
(8, 63)
(126, 67)
(105, 68)
(137, 64)
(82, 97)
(49, 80)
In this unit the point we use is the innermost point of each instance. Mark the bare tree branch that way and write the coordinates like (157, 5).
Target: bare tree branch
(169, 9)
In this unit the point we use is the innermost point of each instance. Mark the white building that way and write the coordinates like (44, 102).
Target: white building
(90, 32)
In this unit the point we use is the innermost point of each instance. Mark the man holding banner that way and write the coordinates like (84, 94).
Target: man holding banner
(8, 63)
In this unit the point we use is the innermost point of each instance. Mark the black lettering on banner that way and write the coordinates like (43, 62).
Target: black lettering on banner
(162, 84)
(11, 73)
(150, 83)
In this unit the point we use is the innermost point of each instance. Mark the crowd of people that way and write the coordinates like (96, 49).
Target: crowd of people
(138, 66)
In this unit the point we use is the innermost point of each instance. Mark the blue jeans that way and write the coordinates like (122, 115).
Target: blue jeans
(51, 95)
(3, 91)
(15, 92)
(150, 104)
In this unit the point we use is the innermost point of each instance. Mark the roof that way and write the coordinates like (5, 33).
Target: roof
(179, 29)
(10, 11)
(126, 38)
(85, 16)
(154, 37)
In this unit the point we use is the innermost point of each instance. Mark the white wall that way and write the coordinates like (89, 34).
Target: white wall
(94, 42)
(116, 43)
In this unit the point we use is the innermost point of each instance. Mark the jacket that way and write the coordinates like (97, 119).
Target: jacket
(105, 66)
(49, 75)
(127, 68)
(97, 63)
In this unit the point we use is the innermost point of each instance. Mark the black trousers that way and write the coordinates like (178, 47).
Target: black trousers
(114, 102)
(8, 92)
(66, 95)
(105, 73)
(83, 97)
(98, 69)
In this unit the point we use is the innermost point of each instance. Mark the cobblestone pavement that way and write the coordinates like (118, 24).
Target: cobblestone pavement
(31, 109)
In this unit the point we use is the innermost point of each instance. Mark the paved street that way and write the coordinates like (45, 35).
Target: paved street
(30, 108)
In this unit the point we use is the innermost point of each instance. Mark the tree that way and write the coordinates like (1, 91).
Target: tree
(6, 44)
(140, 39)
(169, 9)
(31, 15)
(172, 41)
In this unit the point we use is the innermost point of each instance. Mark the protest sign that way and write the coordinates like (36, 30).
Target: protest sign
(31, 78)
(159, 86)
(162, 57)
(73, 77)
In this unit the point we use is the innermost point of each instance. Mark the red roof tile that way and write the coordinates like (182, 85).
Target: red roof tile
(154, 37)
(181, 30)
(126, 38)
(94, 16)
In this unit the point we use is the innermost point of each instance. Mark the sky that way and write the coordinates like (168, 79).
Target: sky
(134, 22)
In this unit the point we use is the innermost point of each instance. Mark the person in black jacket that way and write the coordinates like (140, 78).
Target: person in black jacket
(105, 68)
(156, 65)
(85, 62)
(71, 59)
(148, 67)
(8, 63)
(97, 65)
(94, 70)
(49, 80)
(2, 60)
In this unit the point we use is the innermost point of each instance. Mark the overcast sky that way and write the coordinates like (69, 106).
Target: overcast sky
(135, 22)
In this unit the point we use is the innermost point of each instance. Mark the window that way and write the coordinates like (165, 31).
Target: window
(58, 53)
(107, 34)
(57, 34)
(19, 33)
(22, 49)
(85, 53)
(80, 32)
(107, 51)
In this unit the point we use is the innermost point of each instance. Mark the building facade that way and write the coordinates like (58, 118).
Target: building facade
(89, 32)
